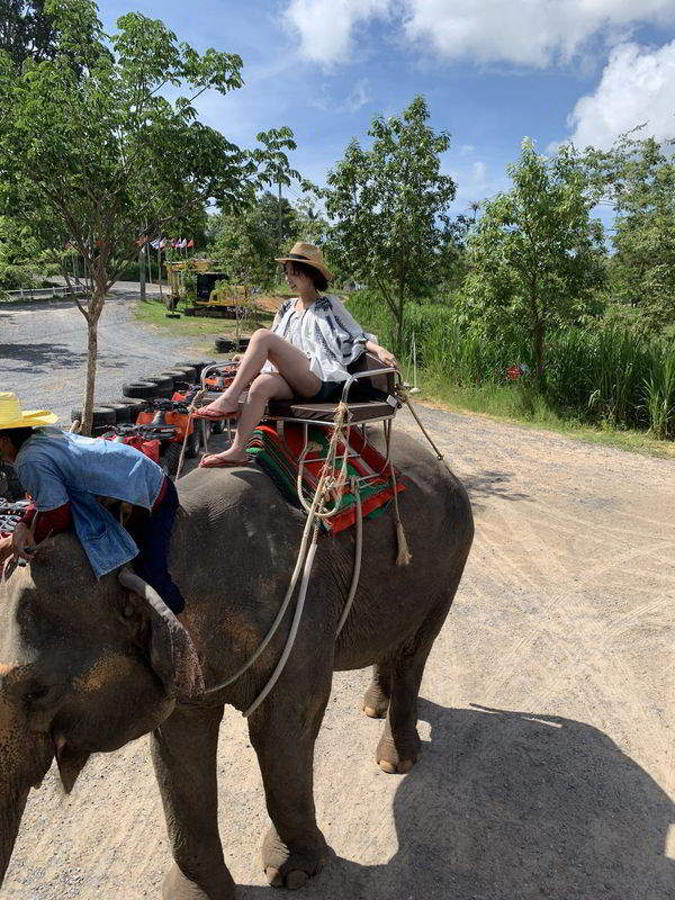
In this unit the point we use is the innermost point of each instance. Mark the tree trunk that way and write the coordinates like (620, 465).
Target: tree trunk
(90, 387)
(539, 336)
(141, 273)
(398, 348)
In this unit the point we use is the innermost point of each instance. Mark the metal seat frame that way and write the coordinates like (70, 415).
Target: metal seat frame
(363, 426)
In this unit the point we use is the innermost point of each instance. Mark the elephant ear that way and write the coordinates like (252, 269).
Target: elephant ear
(173, 656)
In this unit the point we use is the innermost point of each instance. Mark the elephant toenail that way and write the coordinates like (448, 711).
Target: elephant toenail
(387, 767)
(274, 877)
(296, 879)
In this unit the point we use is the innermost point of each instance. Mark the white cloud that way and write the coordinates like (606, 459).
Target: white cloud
(360, 96)
(325, 26)
(479, 173)
(525, 32)
(466, 149)
(637, 85)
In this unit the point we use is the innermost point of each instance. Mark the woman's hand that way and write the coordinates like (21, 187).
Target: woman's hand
(387, 358)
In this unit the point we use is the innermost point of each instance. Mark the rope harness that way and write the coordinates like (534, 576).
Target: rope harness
(329, 486)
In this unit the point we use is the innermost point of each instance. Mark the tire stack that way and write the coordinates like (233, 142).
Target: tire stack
(124, 410)
(231, 345)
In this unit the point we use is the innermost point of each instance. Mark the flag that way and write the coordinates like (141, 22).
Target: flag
(190, 243)
(162, 244)
(155, 244)
(183, 244)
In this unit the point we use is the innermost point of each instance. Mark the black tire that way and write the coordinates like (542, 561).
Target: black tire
(197, 364)
(134, 407)
(143, 390)
(123, 412)
(169, 461)
(101, 415)
(183, 373)
(192, 446)
(10, 486)
(164, 384)
(243, 344)
(225, 345)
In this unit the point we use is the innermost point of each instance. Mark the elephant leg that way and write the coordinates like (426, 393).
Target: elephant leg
(376, 698)
(283, 732)
(399, 745)
(184, 756)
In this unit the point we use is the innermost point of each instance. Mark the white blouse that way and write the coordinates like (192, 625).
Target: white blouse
(326, 333)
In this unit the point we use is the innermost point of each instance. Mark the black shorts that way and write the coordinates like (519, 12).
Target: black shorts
(329, 392)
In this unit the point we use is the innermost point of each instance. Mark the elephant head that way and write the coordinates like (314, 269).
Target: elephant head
(85, 666)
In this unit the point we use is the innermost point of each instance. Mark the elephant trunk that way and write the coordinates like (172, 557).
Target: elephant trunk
(25, 757)
(12, 805)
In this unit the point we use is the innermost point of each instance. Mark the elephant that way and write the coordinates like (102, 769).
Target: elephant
(87, 666)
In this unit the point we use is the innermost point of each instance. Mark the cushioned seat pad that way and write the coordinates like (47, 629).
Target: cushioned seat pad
(325, 412)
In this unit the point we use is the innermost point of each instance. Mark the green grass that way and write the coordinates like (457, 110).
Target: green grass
(152, 312)
(513, 403)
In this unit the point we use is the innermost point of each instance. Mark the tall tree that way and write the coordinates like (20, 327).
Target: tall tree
(95, 156)
(246, 243)
(638, 176)
(535, 255)
(26, 32)
(389, 206)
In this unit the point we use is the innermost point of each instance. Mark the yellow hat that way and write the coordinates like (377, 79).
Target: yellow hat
(308, 254)
(12, 417)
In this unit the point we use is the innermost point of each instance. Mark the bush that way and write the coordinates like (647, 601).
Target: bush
(601, 373)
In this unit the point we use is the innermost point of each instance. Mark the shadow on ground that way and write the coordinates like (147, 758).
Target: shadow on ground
(506, 806)
(491, 484)
(41, 357)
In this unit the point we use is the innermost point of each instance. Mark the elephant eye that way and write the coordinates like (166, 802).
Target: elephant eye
(36, 692)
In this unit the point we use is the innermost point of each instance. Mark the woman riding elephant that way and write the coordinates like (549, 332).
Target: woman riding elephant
(306, 353)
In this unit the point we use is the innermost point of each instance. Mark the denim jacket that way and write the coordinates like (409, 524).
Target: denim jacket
(56, 467)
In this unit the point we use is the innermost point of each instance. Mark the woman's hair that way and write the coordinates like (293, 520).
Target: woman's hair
(320, 281)
(16, 435)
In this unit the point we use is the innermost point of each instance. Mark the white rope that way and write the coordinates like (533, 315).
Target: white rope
(192, 409)
(358, 554)
(309, 562)
(303, 557)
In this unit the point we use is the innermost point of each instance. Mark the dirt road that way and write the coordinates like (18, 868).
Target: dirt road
(546, 714)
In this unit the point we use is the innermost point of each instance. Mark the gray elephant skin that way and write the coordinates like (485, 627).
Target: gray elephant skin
(77, 676)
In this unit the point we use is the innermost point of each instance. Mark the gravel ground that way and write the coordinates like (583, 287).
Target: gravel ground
(43, 351)
(546, 709)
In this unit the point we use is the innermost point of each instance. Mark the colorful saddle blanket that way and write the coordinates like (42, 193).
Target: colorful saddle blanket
(279, 459)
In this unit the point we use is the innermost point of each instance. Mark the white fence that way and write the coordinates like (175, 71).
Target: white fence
(44, 293)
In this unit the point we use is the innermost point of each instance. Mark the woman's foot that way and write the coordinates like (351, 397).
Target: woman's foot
(228, 457)
(223, 407)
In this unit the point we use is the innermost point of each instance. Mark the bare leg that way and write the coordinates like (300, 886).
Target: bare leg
(264, 388)
(291, 362)
(184, 756)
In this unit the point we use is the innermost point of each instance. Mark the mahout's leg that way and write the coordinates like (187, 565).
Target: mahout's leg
(283, 732)
(376, 697)
(184, 756)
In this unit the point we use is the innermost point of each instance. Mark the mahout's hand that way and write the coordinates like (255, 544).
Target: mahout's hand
(23, 543)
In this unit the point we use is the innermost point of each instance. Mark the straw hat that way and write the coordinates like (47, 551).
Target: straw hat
(12, 417)
(309, 255)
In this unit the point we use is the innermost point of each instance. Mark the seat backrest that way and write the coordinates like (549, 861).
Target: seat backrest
(369, 363)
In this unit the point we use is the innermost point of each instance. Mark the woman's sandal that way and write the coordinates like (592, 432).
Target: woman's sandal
(206, 413)
(225, 463)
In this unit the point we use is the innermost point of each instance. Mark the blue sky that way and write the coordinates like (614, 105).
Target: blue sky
(492, 71)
